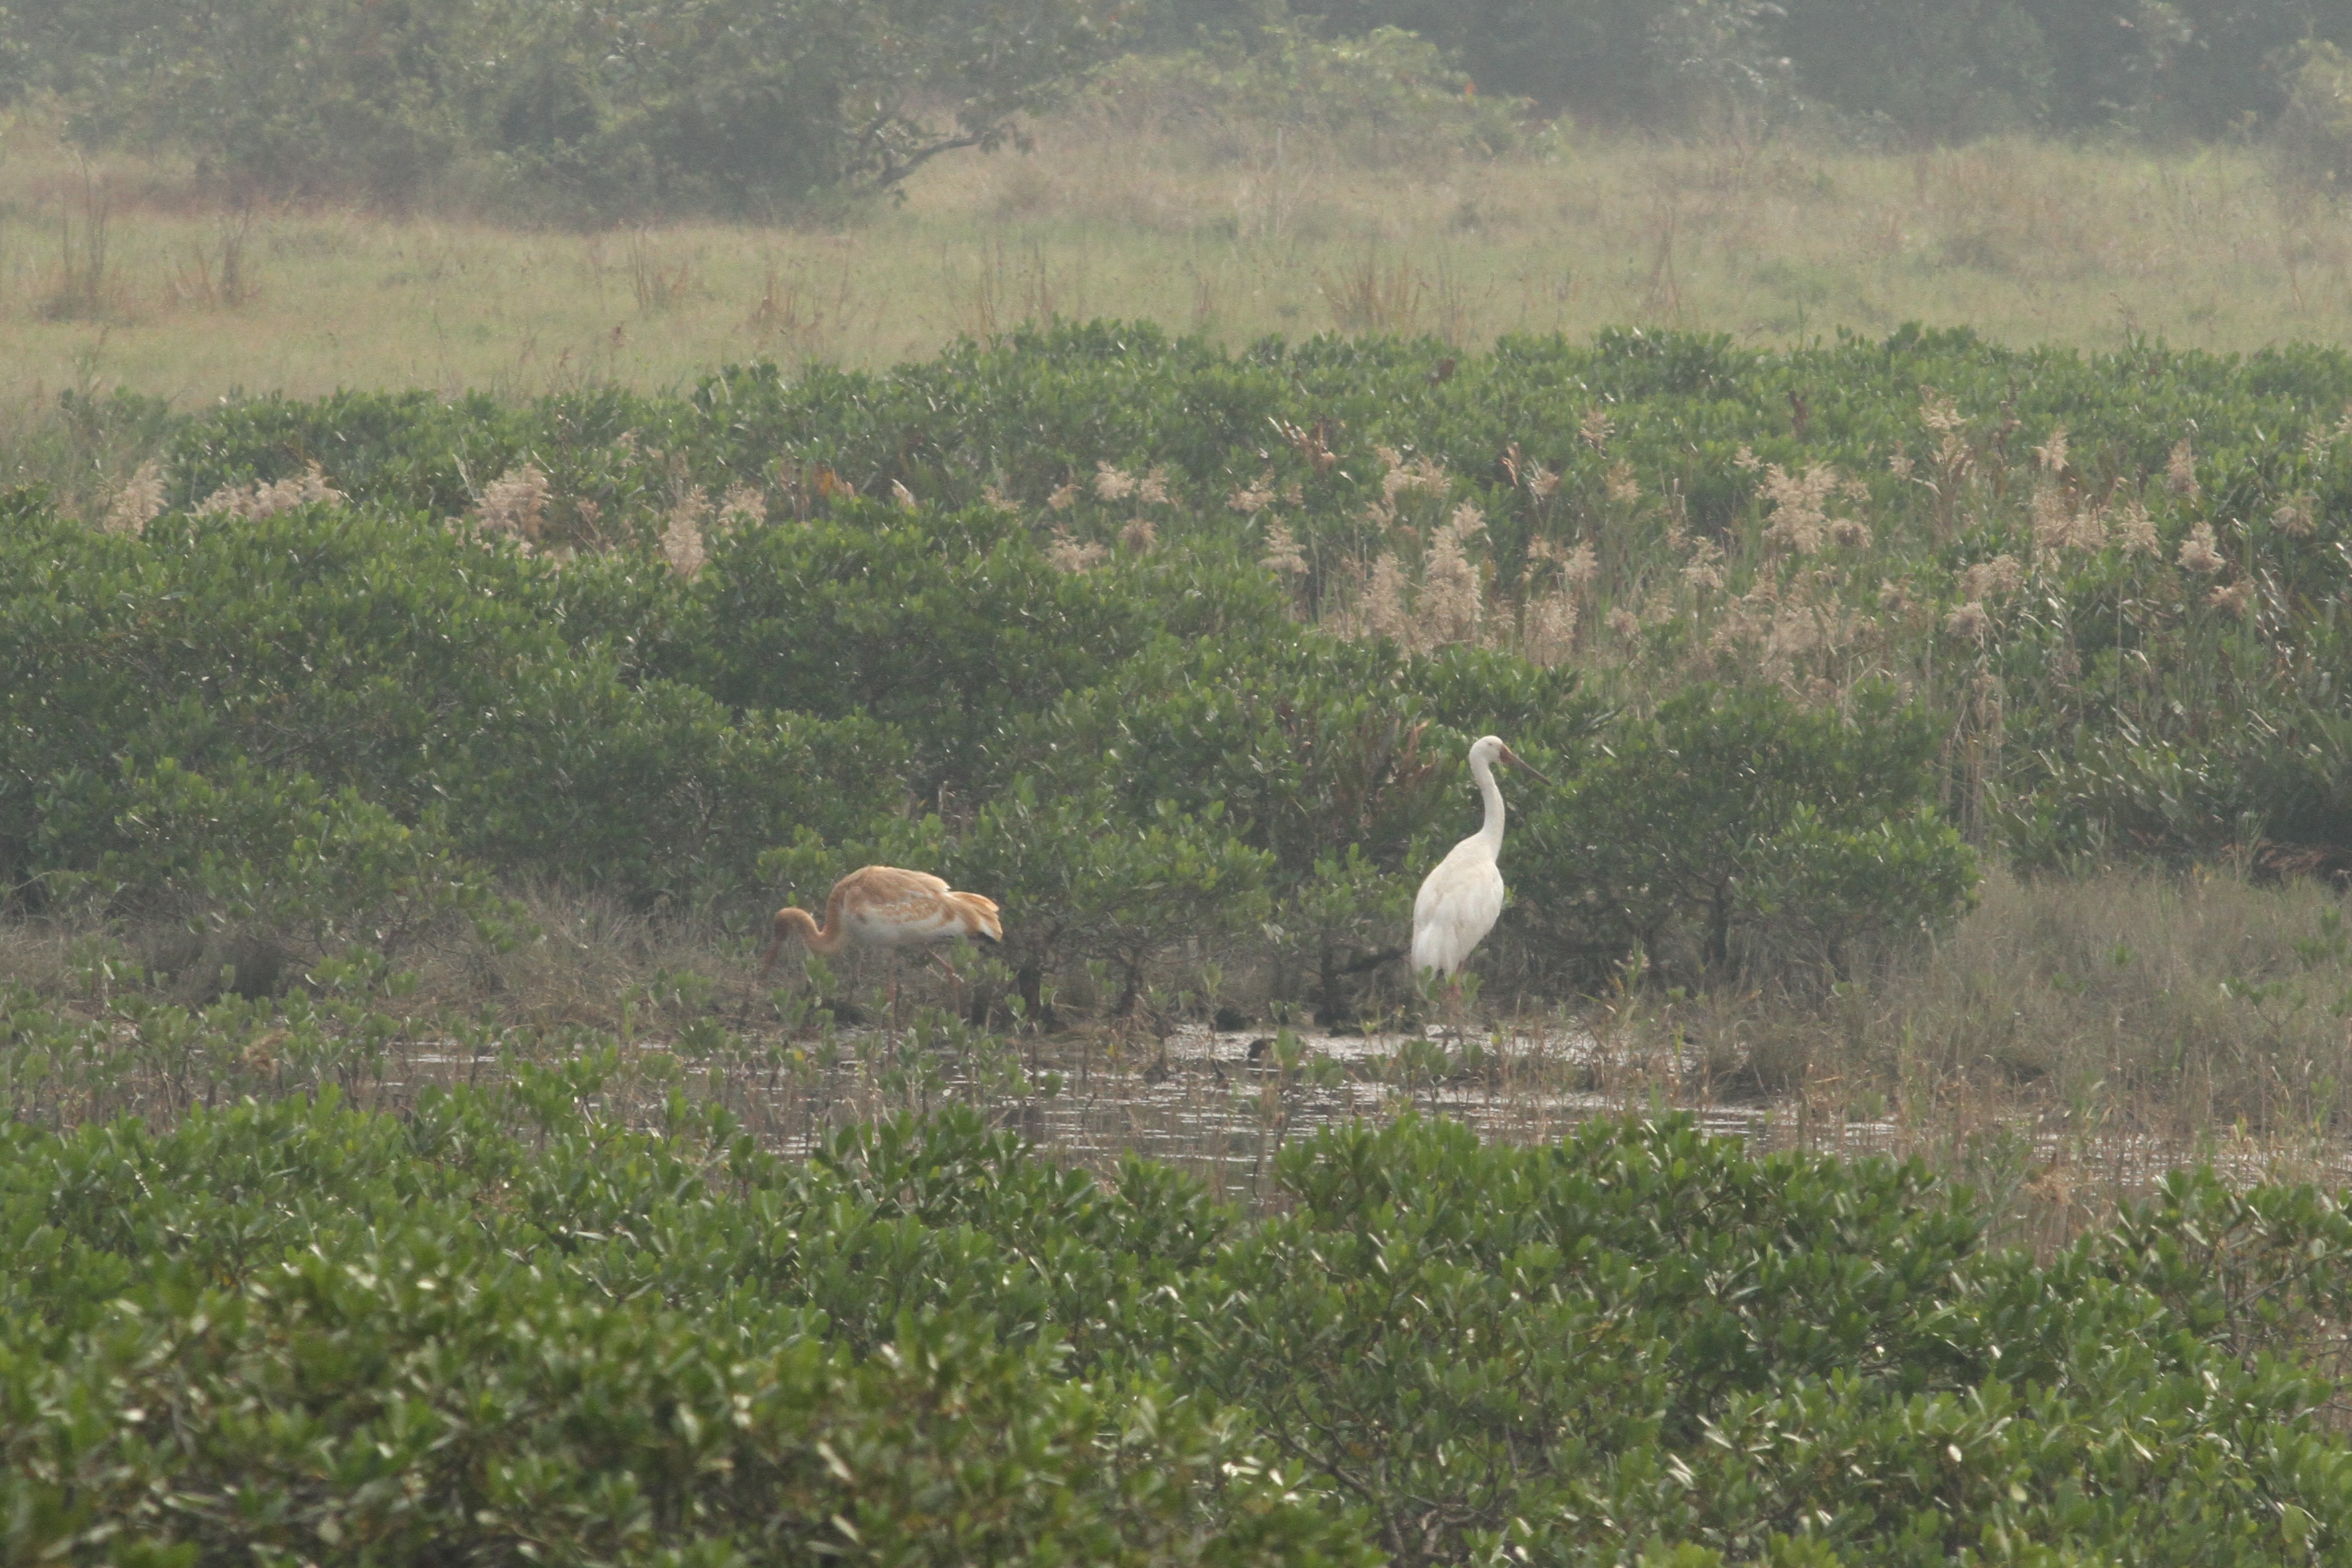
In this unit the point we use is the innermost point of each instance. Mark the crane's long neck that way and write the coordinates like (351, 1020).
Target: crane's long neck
(822, 939)
(1491, 830)
(827, 939)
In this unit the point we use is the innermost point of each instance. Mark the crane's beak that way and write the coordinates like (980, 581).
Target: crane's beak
(1515, 760)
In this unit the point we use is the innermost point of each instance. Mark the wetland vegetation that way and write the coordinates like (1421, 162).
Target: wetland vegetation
(443, 616)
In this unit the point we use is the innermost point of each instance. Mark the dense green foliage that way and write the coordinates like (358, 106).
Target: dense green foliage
(509, 1331)
(193, 713)
(1159, 642)
(1739, 815)
(507, 1325)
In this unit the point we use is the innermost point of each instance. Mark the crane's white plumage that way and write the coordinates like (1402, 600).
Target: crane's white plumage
(1461, 900)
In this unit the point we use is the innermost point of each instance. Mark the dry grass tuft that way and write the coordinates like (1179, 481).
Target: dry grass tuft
(138, 503)
(515, 503)
(307, 488)
(681, 541)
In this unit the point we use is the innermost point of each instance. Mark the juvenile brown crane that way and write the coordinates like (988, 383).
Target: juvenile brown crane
(886, 907)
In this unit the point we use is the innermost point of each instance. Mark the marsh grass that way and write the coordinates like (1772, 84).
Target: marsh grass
(219, 275)
(2070, 1041)
(660, 281)
(1376, 301)
(85, 285)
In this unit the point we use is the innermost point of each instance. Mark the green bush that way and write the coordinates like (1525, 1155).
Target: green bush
(387, 664)
(734, 103)
(1919, 70)
(407, 451)
(947, 626)
(1311, 746)
(505, 1321)
(1734, 825)
(1343, 764)
(1645, 1336)
(1042, 408)
(268, 857)
(1075, 876)
(407, 1385)
(304, 97)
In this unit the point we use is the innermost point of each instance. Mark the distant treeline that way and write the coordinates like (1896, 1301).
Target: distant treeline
(601, 109)
(587, 108)
(1917, 69)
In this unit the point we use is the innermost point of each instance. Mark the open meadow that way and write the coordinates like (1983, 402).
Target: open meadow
(433, 645)
(112, 273)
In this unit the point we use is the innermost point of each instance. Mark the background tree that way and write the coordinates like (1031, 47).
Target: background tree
(584, 109)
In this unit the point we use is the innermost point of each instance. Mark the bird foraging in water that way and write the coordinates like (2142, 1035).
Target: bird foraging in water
(1460, 900)
(886, 907)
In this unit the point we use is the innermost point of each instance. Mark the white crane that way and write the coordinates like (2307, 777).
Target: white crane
(1461, 899)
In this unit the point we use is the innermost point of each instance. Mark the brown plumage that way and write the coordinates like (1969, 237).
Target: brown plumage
(882, 906)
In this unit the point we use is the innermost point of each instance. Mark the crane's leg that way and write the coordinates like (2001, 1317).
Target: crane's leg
(955, 977)
(893, 996)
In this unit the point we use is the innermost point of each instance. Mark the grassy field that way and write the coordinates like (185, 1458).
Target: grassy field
(112, 275)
